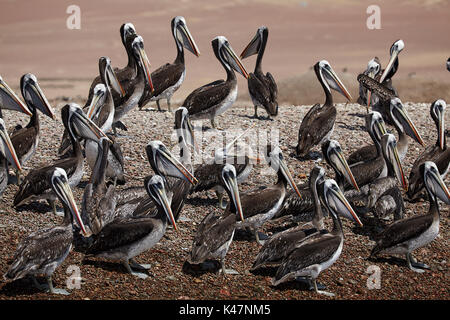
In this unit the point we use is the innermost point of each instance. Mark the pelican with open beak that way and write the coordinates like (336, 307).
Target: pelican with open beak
(318, 123)
(45, 250)
(216, 97)
(127, 237)
(215, 233)
(34, 187)
(170, 76)
(406, 235)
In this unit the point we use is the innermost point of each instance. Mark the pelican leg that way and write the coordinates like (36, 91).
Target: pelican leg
(18, 177)
(138, 266)
(326, 293)
(414, 265)
(220, 195)
(226, 271)
(214, 126)
(55, 290)
(157, 103)
(256, 112)
(37, 285)
(169, 107)
(140, 275)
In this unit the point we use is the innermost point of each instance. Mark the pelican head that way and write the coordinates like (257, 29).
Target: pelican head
(109, 76)
(227, 56)
(34, 96)
(437, 112)
(137, 45)
(98, 99)
(331, 149)
(375, 125)
(390, 154)
(182, 35)
(156, 187)
(9, 100)
(330, 79)
(229, 179)
(127, 30)
(396, 48)
(434, 183)
(402, 120)
(256, 43)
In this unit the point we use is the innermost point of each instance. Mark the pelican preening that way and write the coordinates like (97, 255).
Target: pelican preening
(169, 77)
(119, 223)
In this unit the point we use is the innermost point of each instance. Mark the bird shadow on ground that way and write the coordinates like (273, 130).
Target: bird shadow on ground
(105, 265)
(196, 270)
(265, 271)
(390, 260)
(38, 207)
(203, 202)
(243, 235)
(255, 118)
(351, 128)
(20, 287)
(358, 115)
(372, 227)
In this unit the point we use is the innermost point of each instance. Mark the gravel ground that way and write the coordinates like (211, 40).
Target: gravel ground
(347, 278)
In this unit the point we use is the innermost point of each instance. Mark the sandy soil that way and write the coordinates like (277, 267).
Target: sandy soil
(34, 38)
(347, 278)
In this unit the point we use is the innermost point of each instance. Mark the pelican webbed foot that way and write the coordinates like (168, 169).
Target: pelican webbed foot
(414, 265)
(316, 288)
(138, 266)
(261, 238)
(140, 275)
(225, 270)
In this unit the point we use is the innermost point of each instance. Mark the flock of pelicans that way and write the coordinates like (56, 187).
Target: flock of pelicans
(120, 223)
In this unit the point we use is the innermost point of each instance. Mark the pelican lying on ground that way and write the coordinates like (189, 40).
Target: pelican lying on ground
(169, 77)
(44, 250)
(125, 238)
(310, 258)
(35, 186)
(438, 153)
(318, 123)
(216, 97)
(215, 233)
(7, 154)
(405, 236)
(262, 88)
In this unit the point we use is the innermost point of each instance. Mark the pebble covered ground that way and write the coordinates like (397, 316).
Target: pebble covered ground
(347, 278)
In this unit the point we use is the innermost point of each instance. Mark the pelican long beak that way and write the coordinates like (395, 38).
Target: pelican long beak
(231, 182)
(234, 60)
(336, 83)
(406, 122)
(441, 131)
(7, 150)
(114, 81)
(39, 100)
(63, 190)
(394, 56)
(9, 100)
(162, 196)
(394, 159)
(341, 204)
(85, 127)
(434, 179)
(188, 40)
(93, 107)
(287, 174)
(338, 159)
(146, 65)
(178, 165)
(252, 48)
